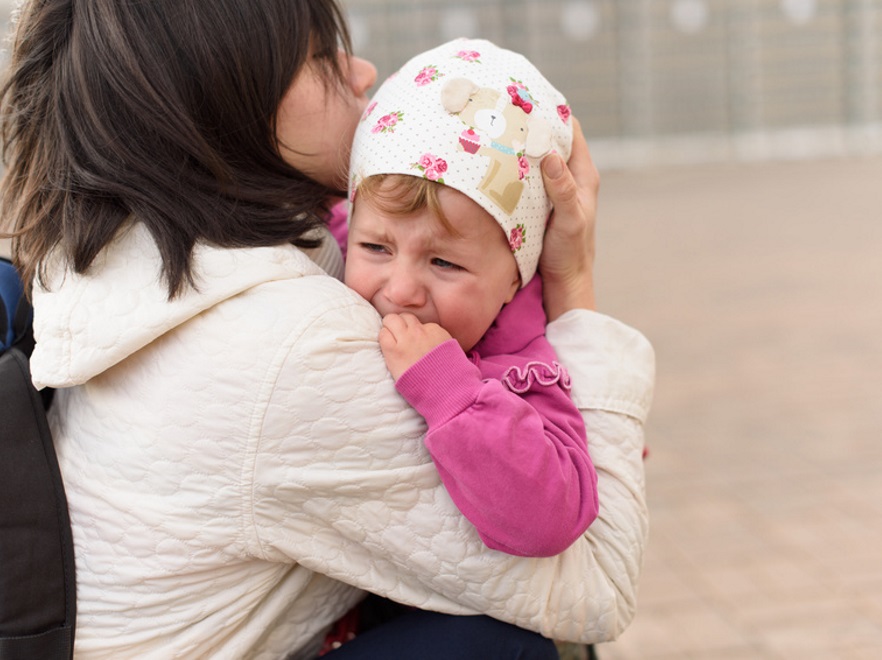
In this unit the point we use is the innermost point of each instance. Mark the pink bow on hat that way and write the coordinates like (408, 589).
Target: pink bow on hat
(520, 97)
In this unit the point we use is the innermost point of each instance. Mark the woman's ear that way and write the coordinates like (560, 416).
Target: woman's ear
(456, 93)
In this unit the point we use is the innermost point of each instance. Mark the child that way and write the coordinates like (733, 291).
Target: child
(446, 227)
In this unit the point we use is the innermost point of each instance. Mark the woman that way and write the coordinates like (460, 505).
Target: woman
(239, 468)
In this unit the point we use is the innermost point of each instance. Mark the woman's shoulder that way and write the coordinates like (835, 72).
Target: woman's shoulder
(313, 299)
(302, 322)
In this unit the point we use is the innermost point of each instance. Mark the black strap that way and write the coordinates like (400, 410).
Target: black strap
(37, 571)
(24, 329)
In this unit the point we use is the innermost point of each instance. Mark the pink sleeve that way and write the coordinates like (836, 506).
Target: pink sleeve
(337, 225)
(516, 465)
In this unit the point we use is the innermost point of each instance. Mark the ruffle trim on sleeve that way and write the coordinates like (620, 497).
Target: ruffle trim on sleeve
(521, 379)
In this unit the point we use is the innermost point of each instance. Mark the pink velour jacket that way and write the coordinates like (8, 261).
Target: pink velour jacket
(508, 441)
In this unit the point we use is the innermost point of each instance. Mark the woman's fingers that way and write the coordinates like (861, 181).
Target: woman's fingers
(567, 259)
(581, 164)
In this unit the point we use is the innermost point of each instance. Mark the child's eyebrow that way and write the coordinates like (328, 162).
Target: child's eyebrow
(453, 244)
(371, 233)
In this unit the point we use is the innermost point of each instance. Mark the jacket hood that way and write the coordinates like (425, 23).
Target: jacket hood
(86, 324)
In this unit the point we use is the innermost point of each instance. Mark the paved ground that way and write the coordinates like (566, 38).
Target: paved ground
(761, 288)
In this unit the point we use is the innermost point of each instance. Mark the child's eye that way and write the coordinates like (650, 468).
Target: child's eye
(372, 247)
(443, 263)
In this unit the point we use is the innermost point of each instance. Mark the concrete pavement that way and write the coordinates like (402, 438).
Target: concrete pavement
(760, 286)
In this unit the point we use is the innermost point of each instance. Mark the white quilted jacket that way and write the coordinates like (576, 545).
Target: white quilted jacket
(239, 466)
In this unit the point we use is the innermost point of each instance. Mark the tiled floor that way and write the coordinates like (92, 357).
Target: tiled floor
(761, 288)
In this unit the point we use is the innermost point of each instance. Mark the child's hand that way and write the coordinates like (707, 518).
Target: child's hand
(404, 340)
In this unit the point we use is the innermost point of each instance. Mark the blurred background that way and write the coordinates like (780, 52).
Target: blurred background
(740, 228)
(673, 81)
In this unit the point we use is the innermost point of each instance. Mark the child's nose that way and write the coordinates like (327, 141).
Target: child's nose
(404, 289)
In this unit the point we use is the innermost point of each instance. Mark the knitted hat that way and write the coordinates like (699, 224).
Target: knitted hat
(477, 118)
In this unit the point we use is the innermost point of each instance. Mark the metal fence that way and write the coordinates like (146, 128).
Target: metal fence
(674, 80)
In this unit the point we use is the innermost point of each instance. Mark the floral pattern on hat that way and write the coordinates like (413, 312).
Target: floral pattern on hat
(564, 112)
(388, 122)
(469, 56)
(432, 167)
(517, 237)
(523, 167)
(428, 74)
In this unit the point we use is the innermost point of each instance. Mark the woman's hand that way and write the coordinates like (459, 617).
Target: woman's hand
(567, 261)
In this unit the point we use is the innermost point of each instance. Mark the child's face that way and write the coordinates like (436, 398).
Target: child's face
(413, 264)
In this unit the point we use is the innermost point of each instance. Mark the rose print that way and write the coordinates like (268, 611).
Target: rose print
(432, 167)
(516, 237)
(387, 123)
(427, 74)
(564, 112)
(523, 167)
(469, 56)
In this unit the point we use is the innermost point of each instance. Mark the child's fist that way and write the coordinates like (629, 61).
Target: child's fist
(404, 340)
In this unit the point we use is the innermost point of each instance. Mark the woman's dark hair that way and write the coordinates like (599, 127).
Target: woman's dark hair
(163, 110)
